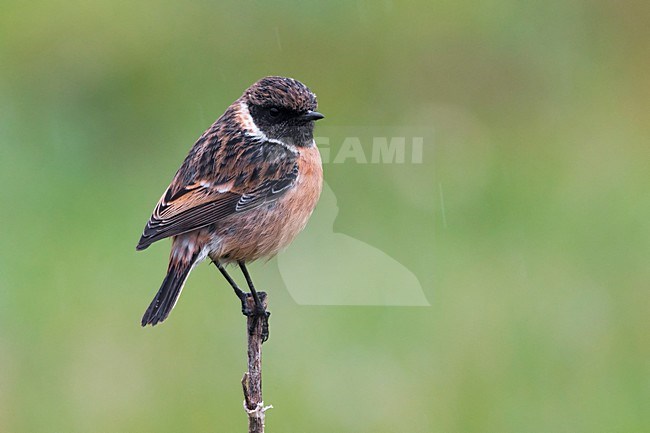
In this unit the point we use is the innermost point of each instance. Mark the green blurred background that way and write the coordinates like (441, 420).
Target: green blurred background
(538, 275)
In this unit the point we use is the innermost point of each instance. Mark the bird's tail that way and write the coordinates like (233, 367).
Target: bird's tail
(169, 291)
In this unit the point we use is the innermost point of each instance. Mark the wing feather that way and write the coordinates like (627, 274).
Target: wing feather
(245, 180)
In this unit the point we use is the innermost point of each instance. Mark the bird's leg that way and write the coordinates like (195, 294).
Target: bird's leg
(249, 281)
(238, 292)
(260, 311)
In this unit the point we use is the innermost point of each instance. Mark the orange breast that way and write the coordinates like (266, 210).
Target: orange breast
(264, 231)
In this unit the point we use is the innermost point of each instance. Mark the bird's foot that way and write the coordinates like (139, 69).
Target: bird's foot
(264, 317)
(254, 308)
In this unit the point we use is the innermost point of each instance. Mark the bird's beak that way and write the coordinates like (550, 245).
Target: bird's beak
(312, 115)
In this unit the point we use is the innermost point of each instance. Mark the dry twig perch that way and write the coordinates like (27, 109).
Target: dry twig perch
(252, 380)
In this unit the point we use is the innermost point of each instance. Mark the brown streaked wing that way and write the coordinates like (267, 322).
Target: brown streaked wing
(203, 203)
(181, 216)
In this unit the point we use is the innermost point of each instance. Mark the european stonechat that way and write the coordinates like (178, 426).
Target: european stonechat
(245, 190)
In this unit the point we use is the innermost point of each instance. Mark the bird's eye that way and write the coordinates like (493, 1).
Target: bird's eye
(274, 112)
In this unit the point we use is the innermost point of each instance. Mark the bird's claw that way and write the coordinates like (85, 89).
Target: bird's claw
(257, 312)
(264, 316)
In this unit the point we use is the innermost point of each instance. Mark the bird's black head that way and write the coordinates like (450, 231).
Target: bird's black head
(283, 109)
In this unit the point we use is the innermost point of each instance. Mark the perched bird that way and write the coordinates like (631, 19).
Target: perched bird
(245, 190)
